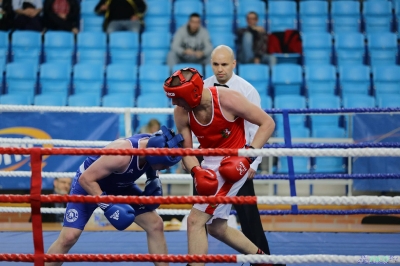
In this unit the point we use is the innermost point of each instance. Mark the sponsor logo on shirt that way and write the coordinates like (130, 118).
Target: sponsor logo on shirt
(225, 133)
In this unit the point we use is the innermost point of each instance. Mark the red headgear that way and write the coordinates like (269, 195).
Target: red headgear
(189, 90)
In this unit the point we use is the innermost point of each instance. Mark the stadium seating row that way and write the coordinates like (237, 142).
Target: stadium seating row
(226, 15)
(62, 79)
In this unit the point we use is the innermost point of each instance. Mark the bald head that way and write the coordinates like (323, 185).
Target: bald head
(223, 50)
(223, 62)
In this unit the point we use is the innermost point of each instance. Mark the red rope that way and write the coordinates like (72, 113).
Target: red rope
(9, 198)
(36, 189)
(120, 258)
(101, 151)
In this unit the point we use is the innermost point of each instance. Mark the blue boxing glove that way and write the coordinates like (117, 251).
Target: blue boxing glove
(153, 188)
(119, 215)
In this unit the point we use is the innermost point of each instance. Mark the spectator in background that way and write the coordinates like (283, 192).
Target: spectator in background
(152, 126)
(253, 43)
(121, 15)
(6, 15)
(61, 15)
(191, 43)
(28, 14)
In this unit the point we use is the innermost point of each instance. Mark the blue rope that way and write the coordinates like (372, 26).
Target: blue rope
(326, 212)
(329, 176)
(332, 111)
(336, 145)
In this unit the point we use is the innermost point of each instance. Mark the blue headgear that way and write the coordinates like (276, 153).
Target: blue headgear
(164, 138)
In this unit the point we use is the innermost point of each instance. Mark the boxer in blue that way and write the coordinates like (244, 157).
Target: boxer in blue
(116, 175)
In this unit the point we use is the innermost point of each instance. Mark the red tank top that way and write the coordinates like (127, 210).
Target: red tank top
(219, 132)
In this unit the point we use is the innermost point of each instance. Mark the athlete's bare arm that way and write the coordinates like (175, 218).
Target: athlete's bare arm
(234, 104)
(181, 118)
(104, 166)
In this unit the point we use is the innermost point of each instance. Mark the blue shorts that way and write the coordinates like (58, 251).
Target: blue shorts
(78, 214)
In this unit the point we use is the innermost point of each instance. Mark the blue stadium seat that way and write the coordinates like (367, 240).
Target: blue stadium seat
(90, 21)
(91, 47)
(208, 70)
(151, 76)
(121, 78)
(50, 100)
(4, 44)
(388, 100)
(15, 99)
(282, 15)
(346, 16)
(219, 15)
(382, 48)
(124, 47)
(301, 165)
(386, 79)
(320, 79)
(26, 46)
(358, 101)
(290, 102)
(377, 16)
(88, 78)
(84, 99)
(158, 16)
(329, 164)
(324, 102)
(284, 83)
(92, 24)
(151, 101)
(119, 100)
(55, 78)
(59, 46)
(257, 75)
(21, 78)
(266, 102)
(354, 79)
(226, 38)
(299, 131)
(314, 16)
(182, 11)
(157, 23)
(349, 48)
(317, 48)
(155, 47)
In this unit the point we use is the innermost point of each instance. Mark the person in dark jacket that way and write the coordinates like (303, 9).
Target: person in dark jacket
(121, 15)
(61, 15)
(6, 15)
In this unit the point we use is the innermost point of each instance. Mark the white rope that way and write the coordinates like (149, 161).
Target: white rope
(334, 152)
(72, 174)
(55, 142)
(72, 109)
(326, 200)
(320, 258)
(97, 211)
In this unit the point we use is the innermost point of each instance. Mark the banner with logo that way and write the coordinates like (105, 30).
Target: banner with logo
(51, 125)
(376, 128)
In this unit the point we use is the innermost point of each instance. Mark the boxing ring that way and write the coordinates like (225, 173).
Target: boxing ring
(344, 249)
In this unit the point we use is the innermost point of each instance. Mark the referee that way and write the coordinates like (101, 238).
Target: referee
(223, 63)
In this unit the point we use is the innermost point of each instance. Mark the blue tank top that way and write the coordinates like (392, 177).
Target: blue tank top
(118, 181)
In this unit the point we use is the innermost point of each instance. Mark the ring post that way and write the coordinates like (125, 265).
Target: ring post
(36, 188)
(288, 143)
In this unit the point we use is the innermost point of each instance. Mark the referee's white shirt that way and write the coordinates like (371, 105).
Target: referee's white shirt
(245, 88)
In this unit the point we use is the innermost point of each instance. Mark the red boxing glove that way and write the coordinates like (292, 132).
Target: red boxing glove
(205, 181)
(233, 168)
